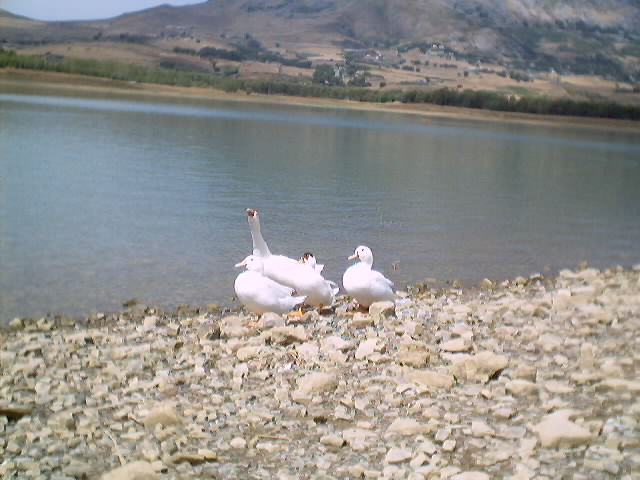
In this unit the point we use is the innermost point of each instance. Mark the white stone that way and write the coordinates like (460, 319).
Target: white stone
(361, 320)
(408, 426)
(287, 335)
(380, 311)
(317, 382)
(332, 440)
(481, 429)
(249, 352)
(397, 455)
(163, 414)
(367, 348)
(449, 445)
(619, 385)
(521, 387)
(414, 354)
(430, 379)
(479, 367)
(238, 443)
(456, 345)
(556, 430)
(335, 343)
(139, 470)
(271, 320)
(471, 476)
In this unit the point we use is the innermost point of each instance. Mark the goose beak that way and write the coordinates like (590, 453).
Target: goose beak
(251, 212)
(353, 257)
(241, 264)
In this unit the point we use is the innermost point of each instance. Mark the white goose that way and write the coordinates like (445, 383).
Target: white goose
(320, 292)
(276, 267)
(305, 280)
(310, 259)
(363, 283)
(260, 294)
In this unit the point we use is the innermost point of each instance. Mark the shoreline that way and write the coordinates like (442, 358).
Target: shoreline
(24, 80)
(530, 378)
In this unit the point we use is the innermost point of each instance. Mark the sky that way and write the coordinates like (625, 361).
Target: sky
(81, 9)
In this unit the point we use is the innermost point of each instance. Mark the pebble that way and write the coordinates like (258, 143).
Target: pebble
(521, 387)
(471, 476)
(556, 430)
(397, 455)
(381, 311)
(139, 470)
(408, 426)
(452, 383)
(164, 414)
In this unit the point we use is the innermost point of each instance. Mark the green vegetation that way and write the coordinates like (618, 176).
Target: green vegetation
(107, 69)
(251, 49)
(325, 74)
(444, 96)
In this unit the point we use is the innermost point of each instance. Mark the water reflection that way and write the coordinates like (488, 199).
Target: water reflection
(104, 200)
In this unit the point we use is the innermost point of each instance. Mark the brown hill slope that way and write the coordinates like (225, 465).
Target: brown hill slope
(581, 36)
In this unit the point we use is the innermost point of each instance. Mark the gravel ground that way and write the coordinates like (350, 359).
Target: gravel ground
(528, 379)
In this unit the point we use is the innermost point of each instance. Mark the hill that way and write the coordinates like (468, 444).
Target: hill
(396, 42)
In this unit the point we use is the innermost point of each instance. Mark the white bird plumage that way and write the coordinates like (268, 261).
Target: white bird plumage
(320, 292)
(363, 283)
(276, 267)
(304, 278)
(309, 258)
(260, 294)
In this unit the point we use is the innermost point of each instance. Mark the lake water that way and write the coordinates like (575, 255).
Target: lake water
(104, 199)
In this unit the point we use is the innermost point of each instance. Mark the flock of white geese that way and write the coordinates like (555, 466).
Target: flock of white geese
(276, 283)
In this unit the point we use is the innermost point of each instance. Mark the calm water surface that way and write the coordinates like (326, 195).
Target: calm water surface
(104, 199)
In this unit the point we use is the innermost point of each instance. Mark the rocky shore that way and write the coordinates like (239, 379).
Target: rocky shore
(530, 379)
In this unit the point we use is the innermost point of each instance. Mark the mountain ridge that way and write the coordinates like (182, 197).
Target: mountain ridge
(572, 36)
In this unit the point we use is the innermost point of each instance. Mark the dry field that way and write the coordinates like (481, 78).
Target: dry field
(456, 74)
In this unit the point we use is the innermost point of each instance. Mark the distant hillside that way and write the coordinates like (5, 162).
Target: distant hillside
(600, 37)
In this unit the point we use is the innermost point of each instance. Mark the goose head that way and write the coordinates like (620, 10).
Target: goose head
(252, 263)
(363, 254)
(253, 219)
(308, 258)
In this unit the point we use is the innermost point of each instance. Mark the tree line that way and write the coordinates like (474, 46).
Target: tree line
(443, 96)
